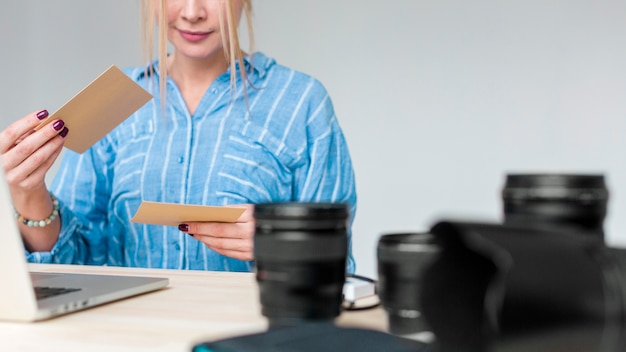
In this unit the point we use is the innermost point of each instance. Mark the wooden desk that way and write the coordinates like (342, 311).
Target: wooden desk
(197, 306)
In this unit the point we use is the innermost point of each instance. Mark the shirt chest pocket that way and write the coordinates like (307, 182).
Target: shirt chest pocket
(256, 166)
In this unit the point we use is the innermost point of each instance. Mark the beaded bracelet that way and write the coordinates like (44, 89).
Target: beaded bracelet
(40, 223)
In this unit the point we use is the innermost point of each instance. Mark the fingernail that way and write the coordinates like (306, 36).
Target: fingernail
(58, 125)
(64, 132)
(183, 227)
(42, 114)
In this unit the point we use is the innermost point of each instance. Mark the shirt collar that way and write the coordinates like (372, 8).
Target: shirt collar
(257, 63)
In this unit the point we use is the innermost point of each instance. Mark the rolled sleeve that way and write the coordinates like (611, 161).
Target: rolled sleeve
(65, 251)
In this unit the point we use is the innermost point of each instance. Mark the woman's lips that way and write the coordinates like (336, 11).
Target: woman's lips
(193, 36)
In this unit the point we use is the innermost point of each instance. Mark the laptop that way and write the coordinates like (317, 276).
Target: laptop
(31, 296)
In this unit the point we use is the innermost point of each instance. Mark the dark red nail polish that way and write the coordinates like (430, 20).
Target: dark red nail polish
(183, 227)
(58, 125)
(64, 132)
(42, 114)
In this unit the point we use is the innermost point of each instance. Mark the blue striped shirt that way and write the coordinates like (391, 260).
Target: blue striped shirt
(283, 144)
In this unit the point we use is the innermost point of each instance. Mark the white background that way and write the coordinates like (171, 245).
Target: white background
(438, 99)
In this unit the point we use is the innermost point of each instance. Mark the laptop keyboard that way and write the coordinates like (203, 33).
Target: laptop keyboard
(47, 292)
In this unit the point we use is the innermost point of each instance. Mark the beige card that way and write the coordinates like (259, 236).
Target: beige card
(172, 214)
(98, 108)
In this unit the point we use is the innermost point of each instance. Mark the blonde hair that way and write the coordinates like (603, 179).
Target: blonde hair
(154, 18)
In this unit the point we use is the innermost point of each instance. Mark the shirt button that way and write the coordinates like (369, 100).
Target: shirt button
(214, 90)
(177, 247)
(180, 160)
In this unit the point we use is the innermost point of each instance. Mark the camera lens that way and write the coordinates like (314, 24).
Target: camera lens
(301, 251)
(402, 261)
(569, 201)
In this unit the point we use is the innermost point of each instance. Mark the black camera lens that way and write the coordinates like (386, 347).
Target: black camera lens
(563, 201)
(301, 251)
(402, 260)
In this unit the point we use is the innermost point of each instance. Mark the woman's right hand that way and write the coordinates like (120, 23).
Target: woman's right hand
(27, 155)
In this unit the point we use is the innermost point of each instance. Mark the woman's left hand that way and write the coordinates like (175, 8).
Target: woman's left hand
(235, 240)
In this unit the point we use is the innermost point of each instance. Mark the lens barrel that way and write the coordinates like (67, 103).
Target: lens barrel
(402, 261)
(565, 201)
(301, 251)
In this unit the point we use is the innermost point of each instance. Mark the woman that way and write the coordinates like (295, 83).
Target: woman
(225, 127)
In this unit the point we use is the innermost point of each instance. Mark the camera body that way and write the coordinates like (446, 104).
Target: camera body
(499, 287)
(541, 280)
